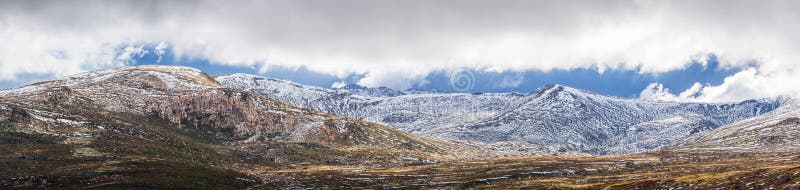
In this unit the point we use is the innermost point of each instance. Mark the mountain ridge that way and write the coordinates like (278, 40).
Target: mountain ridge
(460, 122)
(554, 119)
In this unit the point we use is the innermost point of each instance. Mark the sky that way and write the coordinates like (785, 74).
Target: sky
(702, 51)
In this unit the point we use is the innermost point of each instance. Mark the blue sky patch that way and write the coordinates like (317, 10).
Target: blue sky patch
(617, 82)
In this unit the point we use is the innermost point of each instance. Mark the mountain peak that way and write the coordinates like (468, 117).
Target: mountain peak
(240, 75)
(171, 76)
(556, 88)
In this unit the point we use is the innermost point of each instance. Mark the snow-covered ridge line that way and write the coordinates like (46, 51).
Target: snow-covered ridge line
(352, 89)
(173, 77)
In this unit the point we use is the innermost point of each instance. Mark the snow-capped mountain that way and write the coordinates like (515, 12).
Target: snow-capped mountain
(776, 131)
(410, 112)
(555, 117)
(567, 119)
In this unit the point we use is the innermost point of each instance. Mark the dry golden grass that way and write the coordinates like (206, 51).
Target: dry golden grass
(707, 176)
(318, 168)
(557, 183)
(645, 171)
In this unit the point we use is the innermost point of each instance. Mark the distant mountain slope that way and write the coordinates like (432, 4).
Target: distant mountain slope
(412, 112)
(776, 131)
(568, 119)
(555, 117)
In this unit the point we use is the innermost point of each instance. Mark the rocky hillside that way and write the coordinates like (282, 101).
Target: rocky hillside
(164, 126)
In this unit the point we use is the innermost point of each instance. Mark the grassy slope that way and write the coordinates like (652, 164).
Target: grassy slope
(154, 155)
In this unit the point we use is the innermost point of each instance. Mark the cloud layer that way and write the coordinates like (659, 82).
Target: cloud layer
(398, 43)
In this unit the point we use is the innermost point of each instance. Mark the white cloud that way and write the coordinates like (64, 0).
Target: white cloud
(339, 84)
(511, 81)
(129, 53)
(693, 91)
(747, 84)
(754, 83)
(657, 91)
(160, 49)
(397, 43)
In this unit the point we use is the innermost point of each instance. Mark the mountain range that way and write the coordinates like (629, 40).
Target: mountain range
(176, 117)
(554, 119)
(166, 127)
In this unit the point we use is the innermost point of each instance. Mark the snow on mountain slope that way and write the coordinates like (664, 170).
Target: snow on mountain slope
(411, 112)
(567, 119)
(658, 134)
(778, 131)
(557, 118)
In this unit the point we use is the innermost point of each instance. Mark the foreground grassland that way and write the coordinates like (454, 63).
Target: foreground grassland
(32, 162)
(676, 170)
